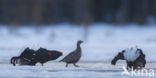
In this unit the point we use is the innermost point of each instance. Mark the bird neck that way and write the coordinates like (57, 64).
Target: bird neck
(78, 46)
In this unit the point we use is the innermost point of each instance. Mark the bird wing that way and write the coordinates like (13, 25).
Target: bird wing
(68, 57)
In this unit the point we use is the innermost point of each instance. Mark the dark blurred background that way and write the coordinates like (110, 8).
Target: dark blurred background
(41, 12)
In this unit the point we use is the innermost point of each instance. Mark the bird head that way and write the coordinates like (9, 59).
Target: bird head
(80, 41)
(61, 53)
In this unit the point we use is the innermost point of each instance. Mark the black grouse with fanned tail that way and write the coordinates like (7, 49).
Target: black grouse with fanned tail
(135, 58)
(73, 57)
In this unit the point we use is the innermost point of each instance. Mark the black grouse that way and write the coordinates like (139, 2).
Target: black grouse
(31, 57)
(44, 55)
(27, 57)
(135, 58)
(73, 57)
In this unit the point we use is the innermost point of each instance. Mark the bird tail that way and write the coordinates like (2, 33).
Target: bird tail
(13, 60)
(60, 60)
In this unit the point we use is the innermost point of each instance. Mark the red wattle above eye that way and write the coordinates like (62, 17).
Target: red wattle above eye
(49, 53)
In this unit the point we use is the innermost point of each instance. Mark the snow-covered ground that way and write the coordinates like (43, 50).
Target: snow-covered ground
(58, 70)
(101, 43)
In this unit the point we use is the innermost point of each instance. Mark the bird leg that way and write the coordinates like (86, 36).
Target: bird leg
(66, 64)
(127, 67)
(75, 65)
(42, 64)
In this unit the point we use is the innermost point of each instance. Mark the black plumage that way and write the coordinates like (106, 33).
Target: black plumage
(139, 63)
(27, 57)
(31, 57)
(74, 56)
(44, 55)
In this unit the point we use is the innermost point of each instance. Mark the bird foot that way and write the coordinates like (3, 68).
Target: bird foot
(76, 65)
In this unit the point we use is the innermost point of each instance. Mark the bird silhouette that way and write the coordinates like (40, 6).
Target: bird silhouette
(74, 56)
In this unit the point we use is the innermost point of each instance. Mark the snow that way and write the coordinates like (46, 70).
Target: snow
(58, 70)
(131, 53)
(101, 41)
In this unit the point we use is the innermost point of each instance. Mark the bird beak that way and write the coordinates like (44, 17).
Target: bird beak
(61, 53)
(81, 41)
